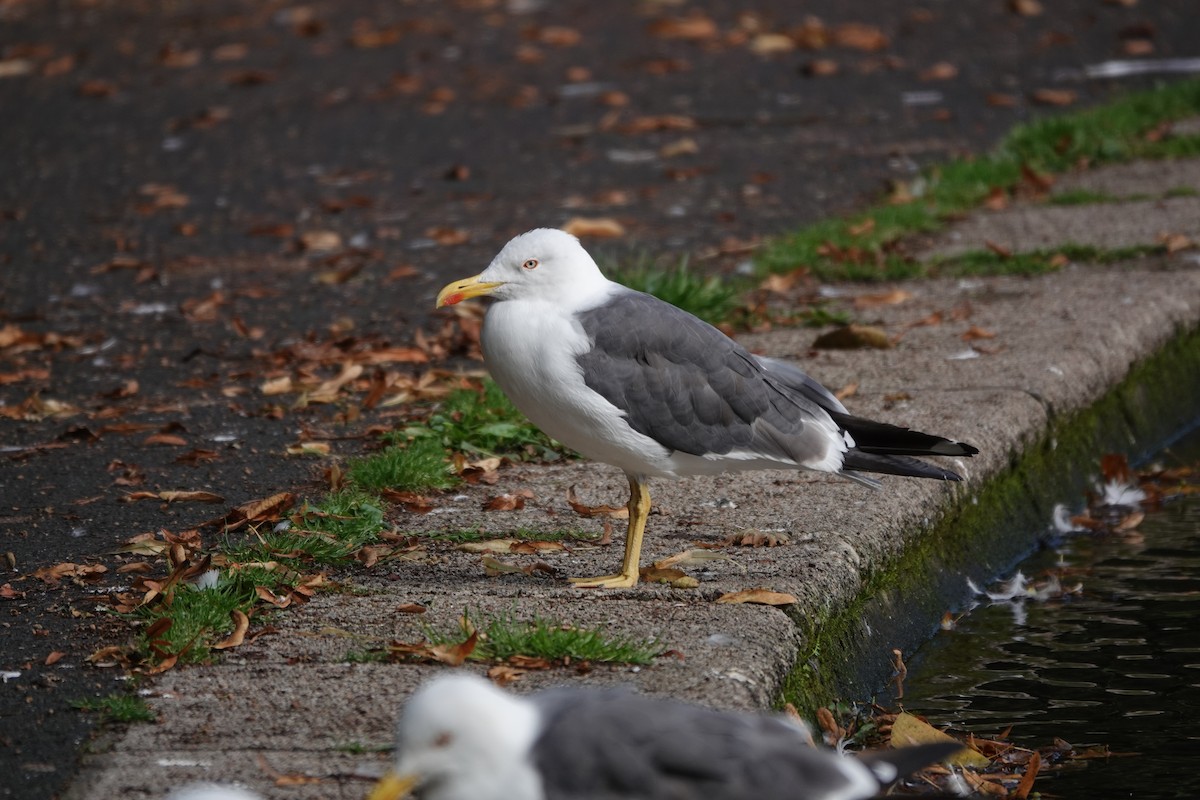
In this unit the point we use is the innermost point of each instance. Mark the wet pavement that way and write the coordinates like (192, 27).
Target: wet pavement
(198, 197)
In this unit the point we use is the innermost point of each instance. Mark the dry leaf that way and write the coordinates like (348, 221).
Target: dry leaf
(54, 657)
(189, 497)
(241, 624)
(616, 512)
(941, 71)
(1054, 97)
(1025, 8)
(595, 227)
(411, 608)
(1026, 782)
(694, 28)
(765, 597)
(505, 502)
(877, 299)
(454, 655)
(909, 730)
(850, 337)
(975, 332)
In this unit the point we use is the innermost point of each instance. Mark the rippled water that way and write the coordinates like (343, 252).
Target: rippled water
(1118, 664)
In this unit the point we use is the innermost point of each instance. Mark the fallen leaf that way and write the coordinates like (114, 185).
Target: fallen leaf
(820, 68)
(281, 385)
(616, 512)
(505, 502)
(503, 674)
(1174, 242)
(321, 241)
(190, 497)
(167, 439)
(656, 574)
(594, 227)
(850, 337)
(77, 572)
(941, 71)
(910, 730)
(860, 36)
(454, 655)
(975, 332)
(241, 624)
(1054, 97)
(54, 657)
(1026, 783)
(765, 597)
(877, 299)
(695, 27)
(1025, 8)
(411, 608)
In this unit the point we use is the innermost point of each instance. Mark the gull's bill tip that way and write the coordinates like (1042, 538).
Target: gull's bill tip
(467, 288)
(393, 786)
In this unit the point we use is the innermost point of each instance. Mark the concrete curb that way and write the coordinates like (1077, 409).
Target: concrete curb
(290, 704)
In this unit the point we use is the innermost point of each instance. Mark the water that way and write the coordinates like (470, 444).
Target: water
(1117, 664)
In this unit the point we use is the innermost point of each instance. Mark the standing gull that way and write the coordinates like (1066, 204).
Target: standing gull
(627, 379)
(460, 738)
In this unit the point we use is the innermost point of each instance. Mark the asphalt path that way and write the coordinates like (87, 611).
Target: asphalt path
(196, 197)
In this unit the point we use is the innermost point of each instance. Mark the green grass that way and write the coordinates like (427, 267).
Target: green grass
(867, 246)
(1083, 197)
(1181, 191)
(709, 297)
(1034, 262)
(123, 708)
(478, 422)
(328, 533)
(418, 466)
(200, 617)
(504, 636)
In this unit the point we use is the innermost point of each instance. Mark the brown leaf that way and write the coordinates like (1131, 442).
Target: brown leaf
(167, 439)
(860, 36)
(1026, 782)
(268, 509)
(241, 624)
(54, 657)
(594, 227)
(267, 596)
(1054, 97)
(616, 512)
(657, 122)
(454, 654)
(1025, 8)
(411, 608)
(820, 68)
(877, 299)
(941, 71)
(503, 675)
(851, 337)
(7, 592)
(505, 502)
(765, 597)
(975, 333)
(190, 497)
(1174, 242)
(77, 572)
(657, 574)
(695, 27)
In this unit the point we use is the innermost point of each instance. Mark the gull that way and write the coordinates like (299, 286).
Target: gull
(630, 380)
(461, 738)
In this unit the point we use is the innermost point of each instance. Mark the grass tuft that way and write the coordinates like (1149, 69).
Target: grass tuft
(123, 708)
(480, 421)
(865, 246)
(502, 637)
(709, 297)
(420, 465)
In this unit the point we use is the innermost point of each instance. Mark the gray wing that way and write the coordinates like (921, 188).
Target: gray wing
(690, 387)
(602, 745)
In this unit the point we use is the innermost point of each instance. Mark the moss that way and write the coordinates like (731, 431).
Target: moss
(983, 533)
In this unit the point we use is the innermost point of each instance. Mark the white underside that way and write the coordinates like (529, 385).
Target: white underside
(531, 347)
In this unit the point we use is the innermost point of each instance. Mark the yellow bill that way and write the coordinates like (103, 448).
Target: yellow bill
(465, 289)
(393, 786)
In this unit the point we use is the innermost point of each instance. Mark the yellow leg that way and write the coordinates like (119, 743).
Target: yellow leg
(639, 509)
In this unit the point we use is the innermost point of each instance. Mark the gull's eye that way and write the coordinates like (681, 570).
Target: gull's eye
(530, 264)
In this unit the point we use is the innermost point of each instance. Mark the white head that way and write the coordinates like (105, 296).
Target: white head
(545, 263)
(461, 738)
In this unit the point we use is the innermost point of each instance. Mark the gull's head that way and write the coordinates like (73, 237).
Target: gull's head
(545, 264)
(459, 736)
